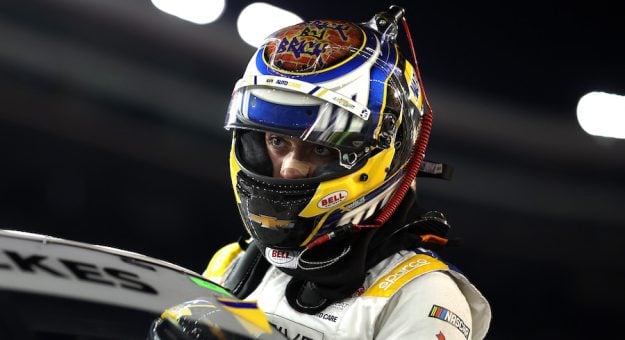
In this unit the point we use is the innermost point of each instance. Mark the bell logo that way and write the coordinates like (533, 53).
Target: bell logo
(332, 199)
(282, 258)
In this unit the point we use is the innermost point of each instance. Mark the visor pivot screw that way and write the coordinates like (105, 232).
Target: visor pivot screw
(364, 177)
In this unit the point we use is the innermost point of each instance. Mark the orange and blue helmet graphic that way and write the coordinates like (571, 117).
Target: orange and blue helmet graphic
(313, 46)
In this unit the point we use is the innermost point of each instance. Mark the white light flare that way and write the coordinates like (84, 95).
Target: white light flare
(602, 114)
(199, 12)
(260, 19)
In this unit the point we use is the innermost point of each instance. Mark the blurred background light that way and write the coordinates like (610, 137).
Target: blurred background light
(260, 19)
(196, 11)
(602, 114)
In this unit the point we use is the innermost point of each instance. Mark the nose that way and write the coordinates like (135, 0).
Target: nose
(293, 168)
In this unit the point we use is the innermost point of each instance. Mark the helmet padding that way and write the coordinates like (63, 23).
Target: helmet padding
(252, 152)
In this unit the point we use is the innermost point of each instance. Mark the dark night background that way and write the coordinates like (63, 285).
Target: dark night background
(111, 133)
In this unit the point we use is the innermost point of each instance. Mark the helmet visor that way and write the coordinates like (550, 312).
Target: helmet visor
(307, 117)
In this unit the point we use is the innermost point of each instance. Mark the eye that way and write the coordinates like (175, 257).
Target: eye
(275, 141)
(322, 151)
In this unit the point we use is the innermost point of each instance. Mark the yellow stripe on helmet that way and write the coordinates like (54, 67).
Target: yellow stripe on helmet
(234, 170)
(411, 76)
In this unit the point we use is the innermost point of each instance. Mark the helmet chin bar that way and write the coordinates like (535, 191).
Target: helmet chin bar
(270, 211)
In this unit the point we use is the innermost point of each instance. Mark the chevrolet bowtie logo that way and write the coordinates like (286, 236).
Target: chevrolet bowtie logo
(271, 222)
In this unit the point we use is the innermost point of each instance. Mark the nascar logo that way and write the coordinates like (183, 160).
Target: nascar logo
(450, 317)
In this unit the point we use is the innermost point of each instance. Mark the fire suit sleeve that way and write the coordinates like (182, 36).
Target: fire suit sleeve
(429, 307)
(221, 262)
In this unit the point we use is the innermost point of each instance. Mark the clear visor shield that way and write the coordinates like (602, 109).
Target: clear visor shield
(340, 124)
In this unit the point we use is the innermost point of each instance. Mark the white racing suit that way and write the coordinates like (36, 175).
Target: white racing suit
(409, 295)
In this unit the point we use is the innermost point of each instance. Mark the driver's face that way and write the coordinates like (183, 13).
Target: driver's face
(294, 159)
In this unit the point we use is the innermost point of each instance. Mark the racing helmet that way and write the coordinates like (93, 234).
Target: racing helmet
(342, 86)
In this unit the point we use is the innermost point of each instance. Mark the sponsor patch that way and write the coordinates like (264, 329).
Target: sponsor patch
(413, 267)
(389, 280)
(332, 199)
(294, 330)
(327, 316)
(450, 317)
(355, 203)
(282, 258)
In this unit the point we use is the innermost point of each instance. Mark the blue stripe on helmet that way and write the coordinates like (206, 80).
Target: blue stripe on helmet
(281, 116)
(380, 73)
(314, 90)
